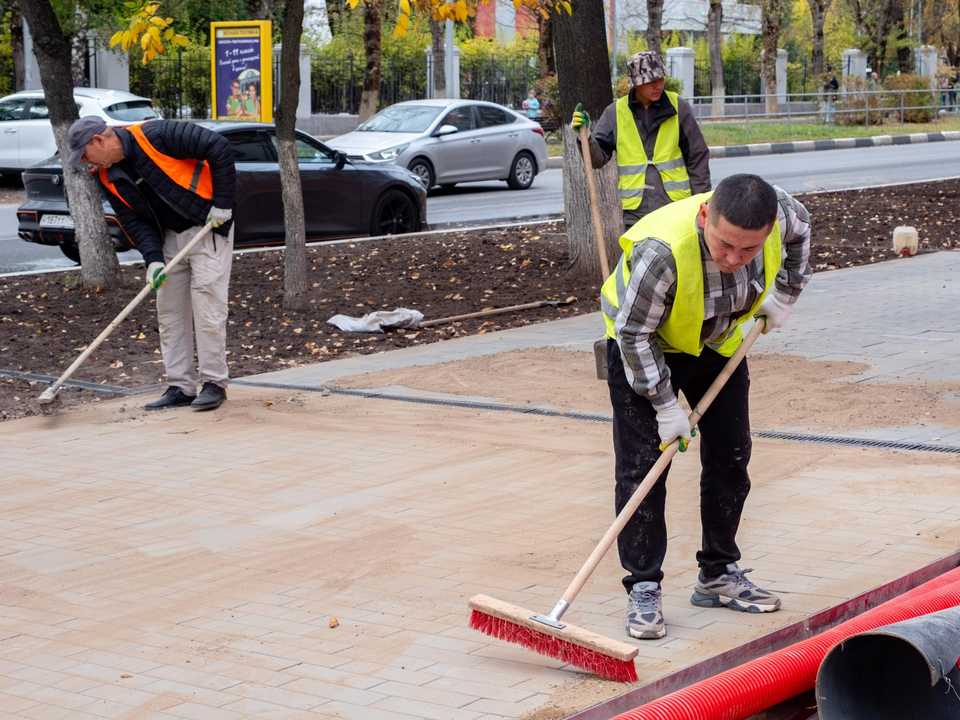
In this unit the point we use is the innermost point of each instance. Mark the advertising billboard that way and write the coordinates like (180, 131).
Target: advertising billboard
(241, 57)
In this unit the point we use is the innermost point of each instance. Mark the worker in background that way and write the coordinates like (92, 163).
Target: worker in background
(690, 274)
(165, 180)
(661, 154)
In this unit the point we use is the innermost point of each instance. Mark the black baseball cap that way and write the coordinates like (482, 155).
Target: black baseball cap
(82, 132)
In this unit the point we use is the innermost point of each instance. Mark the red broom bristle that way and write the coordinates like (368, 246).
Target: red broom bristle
(563, 650)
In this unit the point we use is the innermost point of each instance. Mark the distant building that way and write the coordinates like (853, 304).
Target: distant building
(499, 19)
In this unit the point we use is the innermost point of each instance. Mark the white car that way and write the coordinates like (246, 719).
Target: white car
(26, 136)
(445, 142)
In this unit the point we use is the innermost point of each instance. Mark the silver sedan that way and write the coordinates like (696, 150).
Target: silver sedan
(445, 142)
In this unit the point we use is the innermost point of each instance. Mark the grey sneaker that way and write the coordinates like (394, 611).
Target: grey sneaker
(734, 590)
(645, 612)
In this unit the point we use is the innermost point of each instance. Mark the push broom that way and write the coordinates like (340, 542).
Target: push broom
(49, 400)
(545, 634)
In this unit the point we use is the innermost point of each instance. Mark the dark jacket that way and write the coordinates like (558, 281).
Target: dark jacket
(696, 154)
(164, 205)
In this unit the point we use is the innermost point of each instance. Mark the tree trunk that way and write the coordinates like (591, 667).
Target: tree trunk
(904, 53)
(437, 28)
(371, 47)
(260, 9)
(548, 61)
(100, 268)
(881, 31)
(295, 254)
(78, 52)
(818, 13)
(654, 21)
(16, 47)
(772, 12)
(584, 77)
(717, 85)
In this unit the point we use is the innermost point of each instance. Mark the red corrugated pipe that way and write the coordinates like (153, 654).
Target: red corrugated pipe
(779, 676)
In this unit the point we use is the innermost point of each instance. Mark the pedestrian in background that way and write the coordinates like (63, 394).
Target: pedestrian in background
(532, 105)
(830, 87)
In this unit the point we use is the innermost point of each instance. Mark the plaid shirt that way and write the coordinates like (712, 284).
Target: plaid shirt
(726, 297)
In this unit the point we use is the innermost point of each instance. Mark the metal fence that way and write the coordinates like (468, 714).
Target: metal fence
(501, 82)
(857, 107)
(179, 85)
(745, 77)
(337, 84)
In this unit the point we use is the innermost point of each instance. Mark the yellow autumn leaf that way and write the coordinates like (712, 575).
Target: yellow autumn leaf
(405, 6)
(461, 10)
(399, 31)
(168, 34)
(145, 41)
(138, 27)
(353, 4)
(169, 21)
(517, 4)
(117, 37)
(154, 31)
(404, 22)
(545, 14)
(180, 40)
(151, 9)
(566, 6)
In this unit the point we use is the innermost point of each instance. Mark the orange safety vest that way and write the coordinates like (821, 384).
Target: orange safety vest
(192, 175)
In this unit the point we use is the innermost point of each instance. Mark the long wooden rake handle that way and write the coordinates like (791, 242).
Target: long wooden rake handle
(51, 392)
(648, 482)
(594, 201)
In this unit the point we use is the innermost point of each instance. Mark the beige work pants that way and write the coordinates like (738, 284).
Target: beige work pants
(193, 300)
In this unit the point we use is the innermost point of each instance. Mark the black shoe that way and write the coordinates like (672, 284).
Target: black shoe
(173, 397)
(210, 398)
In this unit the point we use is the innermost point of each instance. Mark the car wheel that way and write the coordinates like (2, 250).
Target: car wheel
(394, 214)
(422, 169)
(522, 172)
(71, 251)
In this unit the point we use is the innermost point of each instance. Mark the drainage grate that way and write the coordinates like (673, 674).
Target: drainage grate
(592, 417)
(81, 384)
(496, 407)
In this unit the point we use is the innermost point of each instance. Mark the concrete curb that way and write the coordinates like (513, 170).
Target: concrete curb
(781, 148)
(798, 146)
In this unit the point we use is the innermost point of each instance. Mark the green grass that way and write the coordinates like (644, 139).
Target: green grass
(740, 134)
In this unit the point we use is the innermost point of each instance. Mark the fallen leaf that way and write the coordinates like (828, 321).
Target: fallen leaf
(334, 622)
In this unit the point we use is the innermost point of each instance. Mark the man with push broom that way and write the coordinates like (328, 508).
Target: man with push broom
(165, 180)
(690, 274)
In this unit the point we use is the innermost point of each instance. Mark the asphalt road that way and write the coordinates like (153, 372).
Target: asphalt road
(480, 203)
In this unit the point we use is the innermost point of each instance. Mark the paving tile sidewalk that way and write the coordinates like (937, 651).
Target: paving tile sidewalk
(188, 565)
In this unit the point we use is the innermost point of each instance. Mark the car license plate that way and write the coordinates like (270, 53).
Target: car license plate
(58, 221)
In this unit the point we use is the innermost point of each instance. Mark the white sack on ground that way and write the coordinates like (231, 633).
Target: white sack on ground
(378, 321)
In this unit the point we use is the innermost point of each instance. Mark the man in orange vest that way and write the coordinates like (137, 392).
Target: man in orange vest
(164, 181)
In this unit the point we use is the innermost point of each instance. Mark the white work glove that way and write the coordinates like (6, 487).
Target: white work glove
(673, 423)
(155, 275)
(218, 216)
(776, 310)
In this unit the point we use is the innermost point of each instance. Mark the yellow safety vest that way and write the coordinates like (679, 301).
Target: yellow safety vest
(632, 159)
(676, 225)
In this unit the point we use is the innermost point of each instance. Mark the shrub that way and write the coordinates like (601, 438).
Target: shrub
(919, 107)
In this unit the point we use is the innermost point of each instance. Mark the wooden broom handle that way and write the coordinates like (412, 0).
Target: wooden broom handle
(594, 202)
(648, 482)
(53, 389)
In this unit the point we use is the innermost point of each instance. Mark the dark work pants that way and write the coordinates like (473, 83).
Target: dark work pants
(724, 440)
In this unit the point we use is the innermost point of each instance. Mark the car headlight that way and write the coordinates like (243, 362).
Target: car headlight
(390, 154)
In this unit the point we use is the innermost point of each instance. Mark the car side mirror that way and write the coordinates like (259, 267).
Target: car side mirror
(447, 130)
(341, 160)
